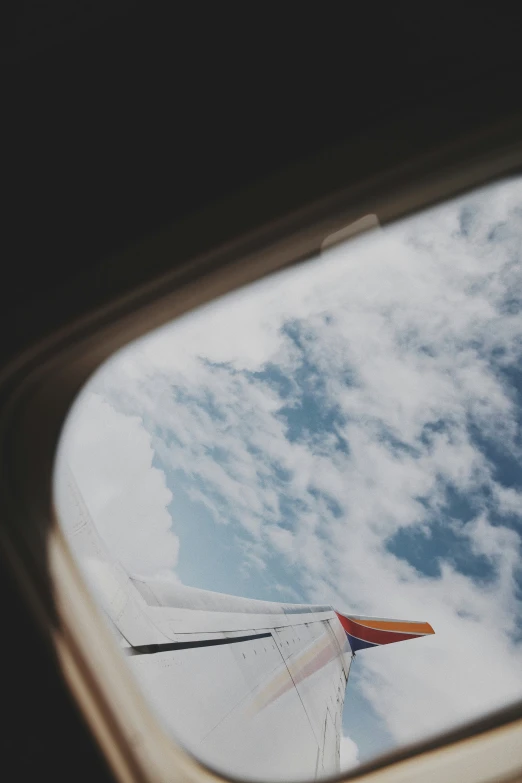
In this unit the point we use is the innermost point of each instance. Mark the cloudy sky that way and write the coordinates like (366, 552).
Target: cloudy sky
(346, 432)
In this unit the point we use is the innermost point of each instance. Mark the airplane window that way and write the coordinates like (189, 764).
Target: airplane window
(331, 457)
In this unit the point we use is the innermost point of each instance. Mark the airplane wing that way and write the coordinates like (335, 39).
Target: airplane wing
(245, 685)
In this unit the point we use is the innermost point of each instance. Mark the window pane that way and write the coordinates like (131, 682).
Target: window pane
(345, 436)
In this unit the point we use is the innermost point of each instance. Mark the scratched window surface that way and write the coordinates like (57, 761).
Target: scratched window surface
(345, 435)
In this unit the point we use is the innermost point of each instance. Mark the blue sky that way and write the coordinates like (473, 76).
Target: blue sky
(348, 432)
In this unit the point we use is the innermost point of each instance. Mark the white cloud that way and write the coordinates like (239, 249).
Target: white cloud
(349, 753)
(408, 332)
(110, 455)
(281, 539)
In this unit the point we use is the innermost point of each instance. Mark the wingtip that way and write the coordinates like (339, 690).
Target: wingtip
(365, 632)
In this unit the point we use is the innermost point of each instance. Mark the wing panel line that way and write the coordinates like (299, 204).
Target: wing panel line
(152, 649)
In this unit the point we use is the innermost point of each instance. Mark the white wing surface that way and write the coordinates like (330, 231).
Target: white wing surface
(253, 687)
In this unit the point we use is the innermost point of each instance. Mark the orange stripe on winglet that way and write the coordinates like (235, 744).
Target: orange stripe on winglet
(399, 626)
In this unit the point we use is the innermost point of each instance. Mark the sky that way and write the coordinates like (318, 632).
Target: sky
(345, 432)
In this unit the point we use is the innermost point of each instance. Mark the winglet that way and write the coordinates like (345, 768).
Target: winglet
(365, 632)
